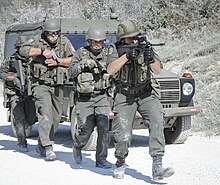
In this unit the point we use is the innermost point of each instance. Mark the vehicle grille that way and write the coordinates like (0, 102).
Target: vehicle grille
(170, 90)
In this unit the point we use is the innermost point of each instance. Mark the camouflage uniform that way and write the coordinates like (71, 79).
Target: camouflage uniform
(47, 85)
(21, 106)
(134, 92)
(92, 107)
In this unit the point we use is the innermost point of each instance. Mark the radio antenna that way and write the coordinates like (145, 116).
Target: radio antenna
(60, 6)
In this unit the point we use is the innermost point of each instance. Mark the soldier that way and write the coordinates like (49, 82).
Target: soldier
(92, 106)
(21, 105)
(134, 92)
(51, 53)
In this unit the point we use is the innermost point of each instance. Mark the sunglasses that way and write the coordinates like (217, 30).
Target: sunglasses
(52, 32)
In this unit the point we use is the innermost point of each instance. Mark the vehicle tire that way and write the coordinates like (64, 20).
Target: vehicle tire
(28, 129)
(179, 132)
(91, 144)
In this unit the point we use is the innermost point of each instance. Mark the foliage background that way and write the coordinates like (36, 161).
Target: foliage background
(190, 29)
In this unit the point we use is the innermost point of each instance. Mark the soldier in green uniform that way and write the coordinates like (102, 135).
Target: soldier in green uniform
(19, 102)
(92, 106)
(51, 53)
(134, 92)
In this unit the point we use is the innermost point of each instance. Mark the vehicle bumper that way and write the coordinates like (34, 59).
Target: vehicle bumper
(180, 111)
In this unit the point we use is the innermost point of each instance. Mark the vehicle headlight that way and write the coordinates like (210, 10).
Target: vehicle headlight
(187, 88)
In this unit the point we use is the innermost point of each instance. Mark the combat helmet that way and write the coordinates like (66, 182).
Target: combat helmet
(20, 40)
(51, 25)
(96, 34)
(127, 29)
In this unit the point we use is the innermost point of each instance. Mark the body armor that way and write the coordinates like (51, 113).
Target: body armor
(95, 79)
(133, 77)
(51, 75)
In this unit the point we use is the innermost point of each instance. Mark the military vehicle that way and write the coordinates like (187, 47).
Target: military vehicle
(176, 91)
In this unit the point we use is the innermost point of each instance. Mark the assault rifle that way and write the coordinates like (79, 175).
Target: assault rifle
(17, 65)
(142, 44)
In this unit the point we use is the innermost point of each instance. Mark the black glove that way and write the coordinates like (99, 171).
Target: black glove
(149, 55)
(17, 83)
(133, 54)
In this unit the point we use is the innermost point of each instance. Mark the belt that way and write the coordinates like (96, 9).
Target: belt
(94, 94)
(132, 92)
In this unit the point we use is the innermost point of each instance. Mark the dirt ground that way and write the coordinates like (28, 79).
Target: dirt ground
(196, 162)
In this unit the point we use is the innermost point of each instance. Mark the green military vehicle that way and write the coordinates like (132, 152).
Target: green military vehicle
(176, 91)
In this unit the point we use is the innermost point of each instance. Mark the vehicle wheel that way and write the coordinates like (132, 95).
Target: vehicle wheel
(28, 129)
(91, 144)
(179, 132)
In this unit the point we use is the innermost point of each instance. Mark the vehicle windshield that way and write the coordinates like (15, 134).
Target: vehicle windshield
(79, 41)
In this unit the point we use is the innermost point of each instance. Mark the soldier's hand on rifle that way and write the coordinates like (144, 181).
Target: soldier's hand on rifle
(133, 54)
(149, 55)
(17, 83)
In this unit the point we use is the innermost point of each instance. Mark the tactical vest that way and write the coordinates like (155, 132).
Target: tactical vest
(51, 75)
(93, 80)
(135, 77)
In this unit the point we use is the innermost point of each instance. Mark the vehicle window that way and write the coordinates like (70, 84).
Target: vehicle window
(80, 40)
(10, 41)
(9, 44)
(77, 41)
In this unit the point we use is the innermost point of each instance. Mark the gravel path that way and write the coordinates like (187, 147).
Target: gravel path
(196, 162)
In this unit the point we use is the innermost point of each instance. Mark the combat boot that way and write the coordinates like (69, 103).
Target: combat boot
(158, 172)
(41, 150)
(77, 155)
(50, 155)
(119, 171)
(22, 148)
(103, 164)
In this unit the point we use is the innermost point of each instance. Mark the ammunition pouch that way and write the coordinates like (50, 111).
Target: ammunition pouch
(103, 82)
(85, 83)
(61, 75)
(50, 75)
